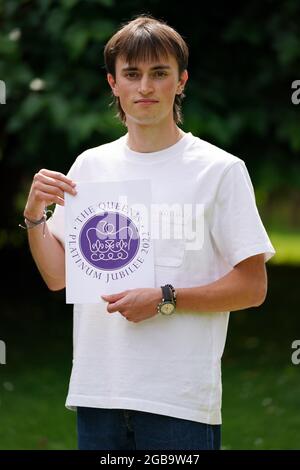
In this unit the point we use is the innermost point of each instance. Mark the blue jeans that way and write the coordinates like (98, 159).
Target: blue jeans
(117, 429)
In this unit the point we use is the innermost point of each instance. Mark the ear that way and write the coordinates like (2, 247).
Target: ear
(113, 84)
(182, 81)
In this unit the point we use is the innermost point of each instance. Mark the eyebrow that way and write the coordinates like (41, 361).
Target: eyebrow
(156, 67)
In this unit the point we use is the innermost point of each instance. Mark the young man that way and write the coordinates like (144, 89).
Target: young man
(154, 381)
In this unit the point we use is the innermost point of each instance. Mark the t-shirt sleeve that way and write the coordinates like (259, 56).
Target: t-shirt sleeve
(237, 228)
(56, 224)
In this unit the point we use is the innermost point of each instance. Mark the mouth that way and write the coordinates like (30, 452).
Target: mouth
(146, 101)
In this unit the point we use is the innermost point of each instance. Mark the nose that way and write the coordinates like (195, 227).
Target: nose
(145, 85)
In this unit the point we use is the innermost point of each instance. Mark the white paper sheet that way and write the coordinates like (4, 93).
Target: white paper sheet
(107, 239)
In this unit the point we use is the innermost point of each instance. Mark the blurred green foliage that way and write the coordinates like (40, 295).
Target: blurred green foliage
(242, 66)
(287, 246)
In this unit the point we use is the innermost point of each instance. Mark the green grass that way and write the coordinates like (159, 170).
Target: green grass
(32, 410)
(260, 407)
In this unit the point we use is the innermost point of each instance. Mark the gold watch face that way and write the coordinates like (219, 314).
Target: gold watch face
(167, 308)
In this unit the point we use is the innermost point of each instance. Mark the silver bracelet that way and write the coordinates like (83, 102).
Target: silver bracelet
(34, 223)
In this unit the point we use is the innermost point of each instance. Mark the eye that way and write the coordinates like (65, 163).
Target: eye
(131, 75)
(160, 73)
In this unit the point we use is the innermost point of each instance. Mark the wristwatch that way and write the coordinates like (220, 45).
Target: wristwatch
(168, 304)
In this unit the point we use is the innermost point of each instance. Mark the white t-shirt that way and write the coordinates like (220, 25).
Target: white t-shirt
(170, 365)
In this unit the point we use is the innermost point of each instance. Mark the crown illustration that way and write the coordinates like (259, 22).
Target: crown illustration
(108, 244)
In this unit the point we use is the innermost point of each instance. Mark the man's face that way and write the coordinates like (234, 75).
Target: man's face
(147, 90)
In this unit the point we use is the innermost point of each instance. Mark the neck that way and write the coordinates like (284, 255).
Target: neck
(147, 139)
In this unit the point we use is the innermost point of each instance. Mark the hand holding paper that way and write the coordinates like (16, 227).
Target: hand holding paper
(135, 305)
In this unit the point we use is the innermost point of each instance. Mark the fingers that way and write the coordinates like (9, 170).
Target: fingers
(48, 198)
(114, 307)
(50, 190)
(55, 181)
(55, 175)
(49, 186)
(113, 297)
(115, 302)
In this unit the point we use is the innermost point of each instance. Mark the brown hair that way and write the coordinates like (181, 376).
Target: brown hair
(142, 39)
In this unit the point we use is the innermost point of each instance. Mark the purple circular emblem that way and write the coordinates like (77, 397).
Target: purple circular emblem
(109, 240)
